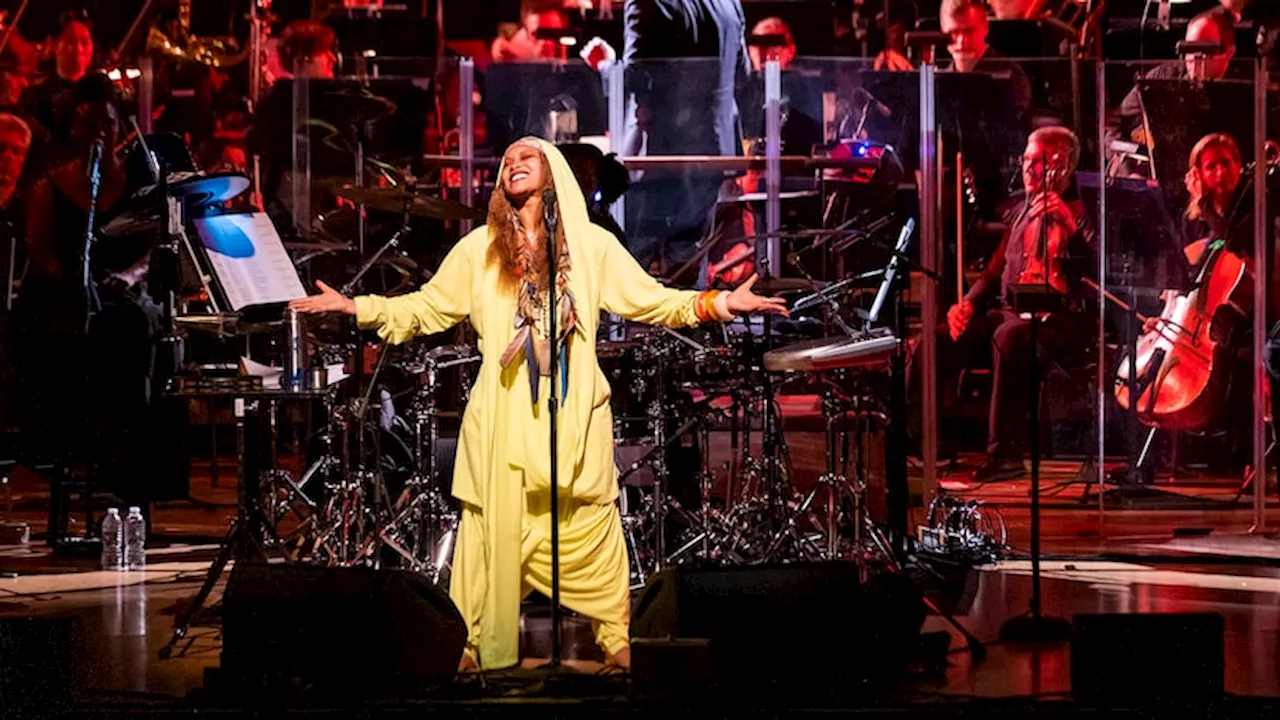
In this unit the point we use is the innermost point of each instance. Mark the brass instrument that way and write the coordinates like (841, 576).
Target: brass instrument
(215, 52)
(1080, 19)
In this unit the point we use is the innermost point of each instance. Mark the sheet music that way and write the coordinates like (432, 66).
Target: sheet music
(249, 260)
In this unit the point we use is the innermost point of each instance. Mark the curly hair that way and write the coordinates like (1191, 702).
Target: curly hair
(505, 238)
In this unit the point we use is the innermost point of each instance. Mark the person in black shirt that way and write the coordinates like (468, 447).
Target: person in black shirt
(983, 321)
(1214, 26)
(87, 363)
(47, 102)
(15, 141)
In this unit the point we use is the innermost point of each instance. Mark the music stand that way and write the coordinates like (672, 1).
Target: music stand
(243, 257)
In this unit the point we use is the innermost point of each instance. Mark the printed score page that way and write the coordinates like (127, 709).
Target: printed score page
(249, 260)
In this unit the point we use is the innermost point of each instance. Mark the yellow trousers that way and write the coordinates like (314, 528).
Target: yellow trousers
(594, 575)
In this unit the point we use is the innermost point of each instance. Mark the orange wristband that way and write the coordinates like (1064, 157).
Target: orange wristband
(704, 305)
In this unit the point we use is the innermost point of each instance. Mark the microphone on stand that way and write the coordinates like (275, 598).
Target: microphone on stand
(551, 218)
(95, 160)
(93, 169)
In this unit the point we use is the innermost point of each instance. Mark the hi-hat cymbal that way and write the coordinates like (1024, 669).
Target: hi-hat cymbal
(402, 201)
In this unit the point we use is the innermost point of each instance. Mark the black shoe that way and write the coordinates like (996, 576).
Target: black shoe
(997, 469)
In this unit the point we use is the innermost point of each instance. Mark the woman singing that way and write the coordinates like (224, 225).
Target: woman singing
(498, 277)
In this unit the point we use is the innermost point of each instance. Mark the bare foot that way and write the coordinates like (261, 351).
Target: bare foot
(468, 663)
(621, 659)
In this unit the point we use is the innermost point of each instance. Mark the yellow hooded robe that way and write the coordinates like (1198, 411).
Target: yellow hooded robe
(503, 467)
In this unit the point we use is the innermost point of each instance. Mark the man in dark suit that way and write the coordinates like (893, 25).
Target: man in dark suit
(677, 107)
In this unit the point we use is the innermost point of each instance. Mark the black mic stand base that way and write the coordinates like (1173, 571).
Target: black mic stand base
(1035, 629)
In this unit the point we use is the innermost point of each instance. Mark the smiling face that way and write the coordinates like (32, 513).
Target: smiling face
(524, 172)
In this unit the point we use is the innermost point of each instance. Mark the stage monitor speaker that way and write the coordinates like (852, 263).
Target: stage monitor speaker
(1171, 658)
(35, 667)
(774, 630)
(345, 630)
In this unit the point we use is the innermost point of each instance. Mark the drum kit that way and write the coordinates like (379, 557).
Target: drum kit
(671, 390)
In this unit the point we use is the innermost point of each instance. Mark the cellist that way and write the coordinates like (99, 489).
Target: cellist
(1221, 209)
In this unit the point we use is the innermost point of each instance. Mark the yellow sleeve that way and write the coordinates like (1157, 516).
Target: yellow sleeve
(627, 290)
(435, 307)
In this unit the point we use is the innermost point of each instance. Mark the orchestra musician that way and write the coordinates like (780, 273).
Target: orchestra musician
(87, 368)
(967, 27)
(494, 274)
(1221, 208)
(47, 102)
(1211, 26)
(17, 66)
(308, 50)
(983, 321)
(15, 141)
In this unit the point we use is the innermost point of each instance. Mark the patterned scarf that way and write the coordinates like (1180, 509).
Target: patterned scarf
(533, 319)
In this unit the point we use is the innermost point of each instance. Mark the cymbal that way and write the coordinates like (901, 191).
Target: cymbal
(130, 222)
(350, 104)
(775, 286)
(300, 246)
(401, 201)
(202, 188)
(762, 197)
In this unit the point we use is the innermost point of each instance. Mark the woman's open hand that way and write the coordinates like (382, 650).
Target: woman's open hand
(328, 301)
(742, 301)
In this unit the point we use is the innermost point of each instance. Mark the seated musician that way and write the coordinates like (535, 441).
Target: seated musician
(875, 28)
(17, 66)
(1211, 26)
(966, 26)
(983, 321)
(522, 44)
(307, 50)
(15, 140)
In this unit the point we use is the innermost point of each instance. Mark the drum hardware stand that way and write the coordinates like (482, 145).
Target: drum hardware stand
(421, 511)
(835, 484)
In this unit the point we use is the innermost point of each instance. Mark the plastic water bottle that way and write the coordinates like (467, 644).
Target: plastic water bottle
(135, 540)
(112, 540)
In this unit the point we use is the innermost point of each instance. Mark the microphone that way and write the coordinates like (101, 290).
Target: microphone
(95, 158)
(549, 208)
(874, 102)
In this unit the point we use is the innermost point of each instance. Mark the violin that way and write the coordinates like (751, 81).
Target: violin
(1184, 364)
(1045, 243)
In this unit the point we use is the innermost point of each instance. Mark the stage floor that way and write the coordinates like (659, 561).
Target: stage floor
(1129, 561)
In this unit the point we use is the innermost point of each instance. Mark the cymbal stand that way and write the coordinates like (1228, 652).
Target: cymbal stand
(347, 515)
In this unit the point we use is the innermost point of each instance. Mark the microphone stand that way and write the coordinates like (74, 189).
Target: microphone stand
(551, 219)
(92, 303)
(1038, 300)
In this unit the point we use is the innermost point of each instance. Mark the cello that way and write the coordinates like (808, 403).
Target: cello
(1184, 363)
